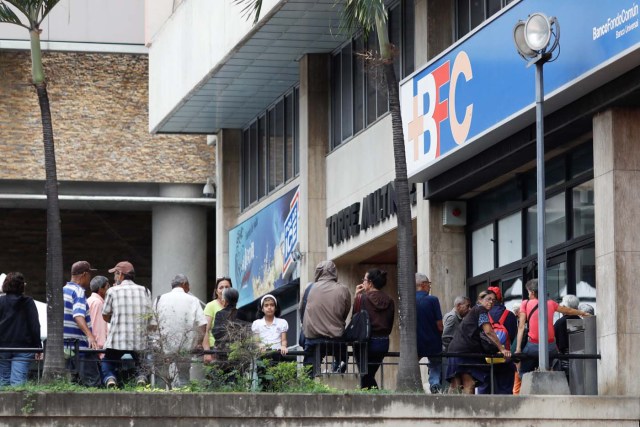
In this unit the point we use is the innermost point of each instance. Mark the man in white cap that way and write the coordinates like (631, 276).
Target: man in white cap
(127, 308)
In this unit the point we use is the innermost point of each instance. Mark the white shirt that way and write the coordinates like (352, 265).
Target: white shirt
(179, 317)
(270, 335)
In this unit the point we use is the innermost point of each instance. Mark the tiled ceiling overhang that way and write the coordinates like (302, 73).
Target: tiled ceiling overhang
(259, 69)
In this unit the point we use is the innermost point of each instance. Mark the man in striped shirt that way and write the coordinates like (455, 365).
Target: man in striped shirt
(77, 326)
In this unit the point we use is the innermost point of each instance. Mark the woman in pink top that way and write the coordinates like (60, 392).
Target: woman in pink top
(529, 312)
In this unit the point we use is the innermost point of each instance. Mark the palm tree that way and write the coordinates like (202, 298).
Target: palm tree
(32, 14)
(367, 15)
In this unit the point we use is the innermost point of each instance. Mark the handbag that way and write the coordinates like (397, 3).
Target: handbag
(359, 328)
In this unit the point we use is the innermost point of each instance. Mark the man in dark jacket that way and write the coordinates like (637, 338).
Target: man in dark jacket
(325, 314)
(503, 373)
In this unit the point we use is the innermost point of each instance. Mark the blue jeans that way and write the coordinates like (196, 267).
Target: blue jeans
(112, 362)
(14, 368)
(531, 363)
(376, 350)
(435, 370)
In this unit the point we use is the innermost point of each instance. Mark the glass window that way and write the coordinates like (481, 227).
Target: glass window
(271, 123)
(336, 101)
(585, 261)
(463, 18)
(262, 157)
(371, 78)
(408, 41)
(288, 123)
(509, 239)
(270, 150)
(358, 86)
(555, 223)
(512, 291)
(347, 101)
(583, 213)
(581, 160)
(556, 281)
(482, 250)
(245, 169)
(493, 6)
(253, 162)
(476, 12)
(296, 132)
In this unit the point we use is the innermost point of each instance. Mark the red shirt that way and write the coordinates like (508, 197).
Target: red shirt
(527, 306)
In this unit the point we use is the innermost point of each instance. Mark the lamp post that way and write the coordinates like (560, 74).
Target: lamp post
(536, 40)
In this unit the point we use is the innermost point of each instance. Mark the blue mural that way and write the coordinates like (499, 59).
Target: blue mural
(257, 249)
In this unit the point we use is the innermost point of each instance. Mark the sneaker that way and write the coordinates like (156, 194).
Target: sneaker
(341, 368)
(111, 383)
(435, 389)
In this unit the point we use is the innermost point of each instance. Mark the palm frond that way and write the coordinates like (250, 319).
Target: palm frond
(45, 8)
(361, 15)
(250, 8)
(9, 16)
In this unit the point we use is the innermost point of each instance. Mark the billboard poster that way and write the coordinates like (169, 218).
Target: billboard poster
(260, 246)
(480, 89)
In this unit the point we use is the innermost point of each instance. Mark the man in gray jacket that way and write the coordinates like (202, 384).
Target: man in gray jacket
(324, 317)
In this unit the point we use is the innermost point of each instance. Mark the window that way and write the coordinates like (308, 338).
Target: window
(509, 239)
(482, 247)
(270, 150)
(502, 231)
(358, 93)
(471, 13)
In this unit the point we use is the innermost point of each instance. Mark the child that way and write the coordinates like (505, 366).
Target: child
(271, 329)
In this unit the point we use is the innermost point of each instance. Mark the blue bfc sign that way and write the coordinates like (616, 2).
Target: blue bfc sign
(480, 90)
(260, 247)
(291, 236)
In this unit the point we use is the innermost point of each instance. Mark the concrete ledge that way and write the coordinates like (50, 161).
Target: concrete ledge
(165, 409)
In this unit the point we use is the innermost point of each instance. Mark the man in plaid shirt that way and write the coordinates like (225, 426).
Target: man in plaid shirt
(127, 308)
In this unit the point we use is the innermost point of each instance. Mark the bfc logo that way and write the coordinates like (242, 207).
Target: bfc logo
(428, 106)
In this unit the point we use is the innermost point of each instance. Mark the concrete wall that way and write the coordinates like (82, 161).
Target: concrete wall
(199, 35)
(97, 21)
(99, 109)
(237, 409)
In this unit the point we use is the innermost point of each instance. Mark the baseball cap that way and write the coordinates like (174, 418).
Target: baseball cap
(496, 290)
(124, 267)
(80, 267)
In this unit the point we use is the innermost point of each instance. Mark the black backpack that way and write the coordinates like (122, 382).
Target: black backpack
(359, 329)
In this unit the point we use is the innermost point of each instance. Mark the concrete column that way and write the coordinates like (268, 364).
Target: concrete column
(179, 242)
(617, 229)
(314, 143)
(441, 253)
(228, 193)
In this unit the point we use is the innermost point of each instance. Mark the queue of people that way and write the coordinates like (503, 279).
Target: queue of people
(121, 320)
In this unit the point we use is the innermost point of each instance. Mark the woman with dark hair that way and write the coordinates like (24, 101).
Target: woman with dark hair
(381, 310)
(462, 372)
(210, 311)
(19, 328)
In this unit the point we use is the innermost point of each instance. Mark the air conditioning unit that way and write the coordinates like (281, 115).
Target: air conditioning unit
(454, 213)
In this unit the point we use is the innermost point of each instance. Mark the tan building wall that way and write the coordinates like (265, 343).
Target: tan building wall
(99, 105)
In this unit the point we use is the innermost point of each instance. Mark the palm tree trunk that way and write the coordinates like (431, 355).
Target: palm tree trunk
(54, 365)
(408, 369)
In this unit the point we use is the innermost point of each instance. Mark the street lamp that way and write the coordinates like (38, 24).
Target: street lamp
(536, 40)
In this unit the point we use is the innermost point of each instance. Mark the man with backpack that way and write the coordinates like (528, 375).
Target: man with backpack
(505, 325)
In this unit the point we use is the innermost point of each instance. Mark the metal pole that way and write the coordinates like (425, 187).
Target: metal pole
(543, 353)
